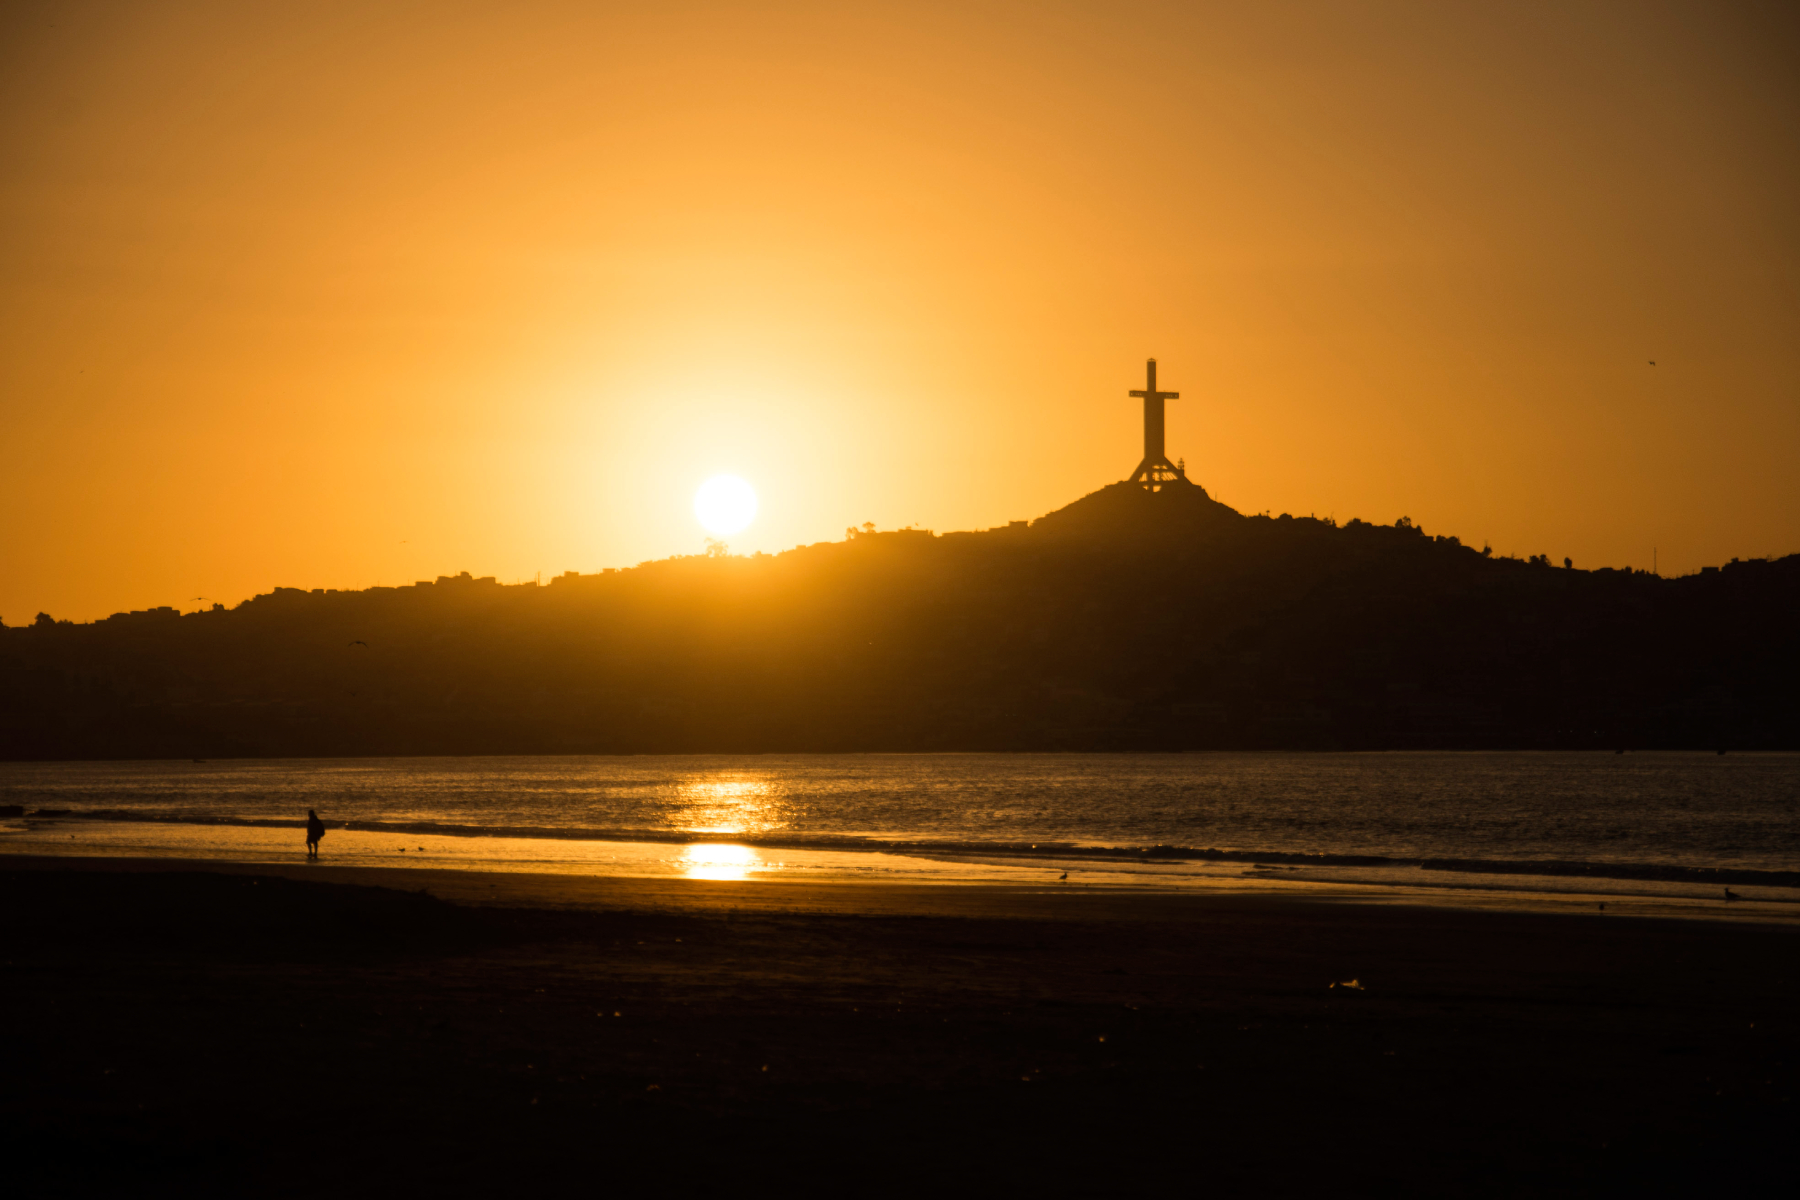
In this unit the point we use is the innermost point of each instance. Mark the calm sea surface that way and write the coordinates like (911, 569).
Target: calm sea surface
(1546, 812)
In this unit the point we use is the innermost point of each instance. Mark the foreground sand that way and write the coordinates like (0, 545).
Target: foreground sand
(295, 1031)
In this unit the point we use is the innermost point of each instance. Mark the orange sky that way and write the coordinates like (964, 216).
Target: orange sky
(371, 292)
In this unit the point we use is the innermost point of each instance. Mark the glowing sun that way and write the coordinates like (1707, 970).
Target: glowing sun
(725, 504)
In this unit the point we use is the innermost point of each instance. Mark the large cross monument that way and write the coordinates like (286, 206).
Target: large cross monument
(1156, 471)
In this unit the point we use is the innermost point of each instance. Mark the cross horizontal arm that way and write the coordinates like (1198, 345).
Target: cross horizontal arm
(1158, 395)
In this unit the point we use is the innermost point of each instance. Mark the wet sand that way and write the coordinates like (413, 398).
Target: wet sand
(209, 1029)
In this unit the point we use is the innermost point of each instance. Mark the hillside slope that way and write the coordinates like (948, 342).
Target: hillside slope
(1125, 620)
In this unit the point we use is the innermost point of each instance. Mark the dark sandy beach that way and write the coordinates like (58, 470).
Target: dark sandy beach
(186, 1029)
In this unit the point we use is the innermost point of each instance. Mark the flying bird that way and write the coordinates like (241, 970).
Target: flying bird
(363, 644)
(1653, 362)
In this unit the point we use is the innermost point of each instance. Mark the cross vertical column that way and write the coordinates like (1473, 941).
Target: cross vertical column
(1156, 471)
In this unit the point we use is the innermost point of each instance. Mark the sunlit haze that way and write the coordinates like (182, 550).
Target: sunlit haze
(335, 294)
(725, 504)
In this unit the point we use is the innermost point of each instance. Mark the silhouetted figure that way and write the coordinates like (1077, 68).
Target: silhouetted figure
(315, 829)
(1731, 895)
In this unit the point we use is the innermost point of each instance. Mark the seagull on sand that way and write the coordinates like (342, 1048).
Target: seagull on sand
(1063, 876)
(1731, 895)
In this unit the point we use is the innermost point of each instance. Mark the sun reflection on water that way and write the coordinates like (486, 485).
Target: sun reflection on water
(709, 860)
(727, 806)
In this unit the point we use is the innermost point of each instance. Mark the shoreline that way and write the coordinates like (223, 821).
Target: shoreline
(1522, 830)
(1037, 899)
(1061, 852)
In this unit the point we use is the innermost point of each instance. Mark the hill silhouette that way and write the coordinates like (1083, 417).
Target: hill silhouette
(1179, 511)
(1126, 620)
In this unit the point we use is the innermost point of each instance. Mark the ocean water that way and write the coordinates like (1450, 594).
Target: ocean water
(1683, 820)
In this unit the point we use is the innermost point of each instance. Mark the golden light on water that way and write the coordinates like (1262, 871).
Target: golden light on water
(708, 860)
(725, 504)
(727, 806)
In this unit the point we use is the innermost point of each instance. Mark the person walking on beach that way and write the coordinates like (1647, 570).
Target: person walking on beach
(315, 829)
